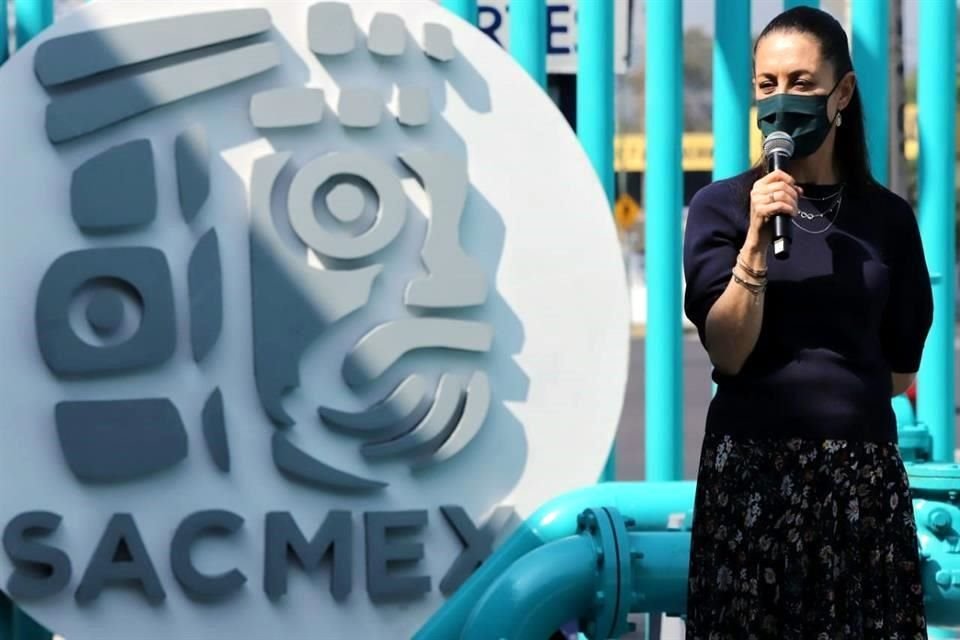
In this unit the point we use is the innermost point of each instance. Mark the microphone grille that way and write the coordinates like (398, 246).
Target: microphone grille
(780, 142)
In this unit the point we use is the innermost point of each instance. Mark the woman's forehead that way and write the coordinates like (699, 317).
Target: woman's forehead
(782, 52)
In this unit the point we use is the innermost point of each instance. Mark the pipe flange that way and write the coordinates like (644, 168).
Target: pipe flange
(612, 602)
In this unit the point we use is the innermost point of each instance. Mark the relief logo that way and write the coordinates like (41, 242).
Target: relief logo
(277, 284)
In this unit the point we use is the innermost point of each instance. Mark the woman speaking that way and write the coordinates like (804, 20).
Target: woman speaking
(803, 521)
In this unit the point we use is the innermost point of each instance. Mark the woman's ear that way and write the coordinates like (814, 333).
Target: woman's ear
(845, 90)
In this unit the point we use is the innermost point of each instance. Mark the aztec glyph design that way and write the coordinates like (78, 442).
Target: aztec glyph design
(293, 303)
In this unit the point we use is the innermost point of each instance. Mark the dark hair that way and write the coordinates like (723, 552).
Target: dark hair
(850, 143)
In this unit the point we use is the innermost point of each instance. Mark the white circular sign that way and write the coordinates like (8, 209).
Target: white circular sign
(301, 300)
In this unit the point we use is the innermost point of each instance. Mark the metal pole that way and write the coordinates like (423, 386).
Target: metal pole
(33, 16)
(871, 29)
(664, 202)
(731, 88)
(528, 37)
(936, 100)
(4, 33)
(896, 169)
(790, 4)
(466, 9)
(595, 107)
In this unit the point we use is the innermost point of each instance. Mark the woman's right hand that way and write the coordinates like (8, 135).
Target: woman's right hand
(774, 194)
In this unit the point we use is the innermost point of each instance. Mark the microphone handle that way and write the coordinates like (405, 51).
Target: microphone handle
(782, 229)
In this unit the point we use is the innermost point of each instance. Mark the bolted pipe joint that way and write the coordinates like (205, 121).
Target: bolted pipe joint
(934, 487)
(607, 529)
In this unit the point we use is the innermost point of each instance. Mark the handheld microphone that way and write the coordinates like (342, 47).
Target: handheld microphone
(777, 149)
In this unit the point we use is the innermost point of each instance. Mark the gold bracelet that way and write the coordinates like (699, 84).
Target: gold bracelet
(753, 273)
(754, 288)
(762, 280)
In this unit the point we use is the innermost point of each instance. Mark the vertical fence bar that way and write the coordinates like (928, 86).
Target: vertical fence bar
(871, 29)
(4, 33)
(595, 87)
(732, 64)
(936, 104)
(790, 4)
(528, 37)
(595, 107)
(731, 88)
(466, 9)
(871, 59)
(664, 203)
(33, 16)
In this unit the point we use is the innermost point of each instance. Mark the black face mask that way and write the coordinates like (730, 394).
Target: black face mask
(804, 118)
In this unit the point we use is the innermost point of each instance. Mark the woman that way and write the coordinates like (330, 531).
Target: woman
(803, 525)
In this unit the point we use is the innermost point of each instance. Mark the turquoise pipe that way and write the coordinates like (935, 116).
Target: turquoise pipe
(871, 33)
(32, 16)
(4, 33)
(6, 616)
(528, 37)
(24, 628)
(540, 592)
(903, 410)
(613, 571)
(871, 59)
(937, 523)
(17, 625)
(663, 187)
(651, 505)
(465, 9)
(732, 88)
(936, 100)
(595, 107)
(790, 4)
(595, 78)
(660, 572)
(560, 581)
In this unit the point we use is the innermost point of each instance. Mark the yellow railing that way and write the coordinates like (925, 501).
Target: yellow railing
(630, 148)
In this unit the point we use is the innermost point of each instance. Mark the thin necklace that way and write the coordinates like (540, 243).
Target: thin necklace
(810, 216)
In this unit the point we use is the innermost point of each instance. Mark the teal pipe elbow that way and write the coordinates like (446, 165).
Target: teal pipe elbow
(597, 578)
(538, 594)
(651, 506)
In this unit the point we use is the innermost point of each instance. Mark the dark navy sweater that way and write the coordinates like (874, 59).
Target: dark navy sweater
(847, 307)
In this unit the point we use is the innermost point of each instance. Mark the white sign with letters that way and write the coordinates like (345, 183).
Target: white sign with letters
(285, 345)
(494, 16)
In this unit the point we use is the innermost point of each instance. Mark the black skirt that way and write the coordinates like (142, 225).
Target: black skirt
(797, 539)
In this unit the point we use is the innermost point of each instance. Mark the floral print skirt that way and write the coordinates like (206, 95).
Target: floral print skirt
(797, 539)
